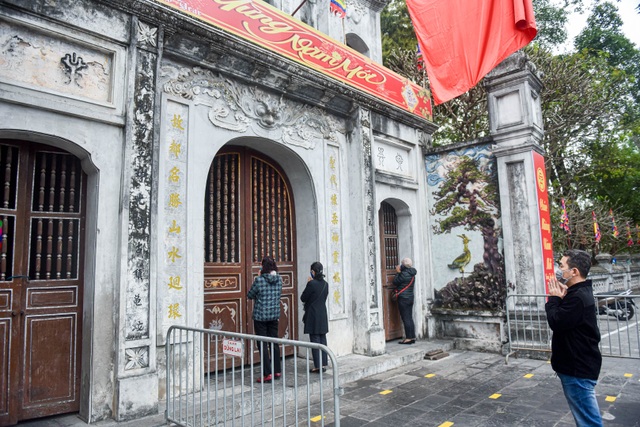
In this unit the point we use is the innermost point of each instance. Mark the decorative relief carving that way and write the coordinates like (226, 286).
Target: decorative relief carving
(136, 358)
(365, 122)
(147, 34)
(238, 108)
(218, 313)
(381, 157)
(73, 65)
(139, 156)
(31, 56)
(374, 320)
(399, 161)
(229, 282)
(356, 11)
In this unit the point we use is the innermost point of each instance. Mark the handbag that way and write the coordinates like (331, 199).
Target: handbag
(396, 293)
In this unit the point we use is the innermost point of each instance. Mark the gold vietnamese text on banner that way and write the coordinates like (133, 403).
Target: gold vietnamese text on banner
(272, 29)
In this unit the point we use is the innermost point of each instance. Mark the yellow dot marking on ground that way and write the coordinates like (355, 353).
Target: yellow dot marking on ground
(316, 419)
(383, 392)
(528, 375)
(628, 375)
(430, 375)
(610, 399)
(495, 396)
(446, 424)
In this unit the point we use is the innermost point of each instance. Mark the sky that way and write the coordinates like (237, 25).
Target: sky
(629, 15)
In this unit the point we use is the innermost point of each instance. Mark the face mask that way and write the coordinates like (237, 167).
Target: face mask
(559, 273)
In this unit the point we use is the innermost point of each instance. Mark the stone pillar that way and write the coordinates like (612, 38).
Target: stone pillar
(135, 350)
(515, 120)
(366, 304)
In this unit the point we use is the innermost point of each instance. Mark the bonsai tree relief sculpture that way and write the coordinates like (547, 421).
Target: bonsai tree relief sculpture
(468, 198)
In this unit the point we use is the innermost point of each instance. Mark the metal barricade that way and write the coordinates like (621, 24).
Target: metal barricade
(529, 331)
(211, 380)
(527, 325)
(619, 325)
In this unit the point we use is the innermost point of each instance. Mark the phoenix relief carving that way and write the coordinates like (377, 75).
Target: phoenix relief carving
(237, 107)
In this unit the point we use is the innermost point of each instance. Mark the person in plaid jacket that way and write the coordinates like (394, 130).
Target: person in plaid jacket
(266, 291)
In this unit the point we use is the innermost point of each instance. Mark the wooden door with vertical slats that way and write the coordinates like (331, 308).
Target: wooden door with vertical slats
(248, 215)
(390, 259)
(42, 216)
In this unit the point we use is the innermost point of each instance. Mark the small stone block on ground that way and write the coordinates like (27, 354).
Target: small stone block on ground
(435, 355)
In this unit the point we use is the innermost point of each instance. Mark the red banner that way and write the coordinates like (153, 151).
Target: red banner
(545, 217)
(272, 29)
(462, 40)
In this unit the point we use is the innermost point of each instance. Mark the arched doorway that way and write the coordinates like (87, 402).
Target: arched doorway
(248, 214)
(390, 259)
(42, 209)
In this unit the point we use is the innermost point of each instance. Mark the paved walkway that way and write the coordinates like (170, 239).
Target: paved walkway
(400, 388)
(477, 389)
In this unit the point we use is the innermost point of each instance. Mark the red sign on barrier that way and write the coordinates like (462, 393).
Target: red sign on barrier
(232, 348)
(270, 28)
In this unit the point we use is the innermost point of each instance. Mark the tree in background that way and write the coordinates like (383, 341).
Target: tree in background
(589, 109)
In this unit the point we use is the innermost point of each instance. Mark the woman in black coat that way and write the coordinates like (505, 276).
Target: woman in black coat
(316, 323)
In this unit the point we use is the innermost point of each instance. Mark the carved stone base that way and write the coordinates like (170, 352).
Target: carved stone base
(131, 402)
(478, 331)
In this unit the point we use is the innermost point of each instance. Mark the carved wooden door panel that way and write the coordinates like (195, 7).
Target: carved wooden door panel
(42, 214)
(248, 215)
(390, 259)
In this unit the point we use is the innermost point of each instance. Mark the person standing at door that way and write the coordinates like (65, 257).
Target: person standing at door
(266, 291)
(575, 353)
(315, 320)
(404, 283)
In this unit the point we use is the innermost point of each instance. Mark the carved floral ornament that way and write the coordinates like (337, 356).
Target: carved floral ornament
(238, 108)
(147, 34)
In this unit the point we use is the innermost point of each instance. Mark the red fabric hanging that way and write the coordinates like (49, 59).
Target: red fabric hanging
(462, 40)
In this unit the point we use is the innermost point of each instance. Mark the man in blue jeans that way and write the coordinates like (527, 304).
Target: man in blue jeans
(575, 356)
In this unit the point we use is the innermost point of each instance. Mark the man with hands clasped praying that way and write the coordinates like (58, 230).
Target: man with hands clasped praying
(575, 356)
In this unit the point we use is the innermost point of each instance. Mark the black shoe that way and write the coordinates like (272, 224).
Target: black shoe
(407, 342)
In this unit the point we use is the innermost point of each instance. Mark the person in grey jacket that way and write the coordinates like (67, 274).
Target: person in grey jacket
(316, 323)
(404, 283)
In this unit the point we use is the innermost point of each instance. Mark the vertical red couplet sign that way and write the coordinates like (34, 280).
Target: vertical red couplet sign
(544, 216)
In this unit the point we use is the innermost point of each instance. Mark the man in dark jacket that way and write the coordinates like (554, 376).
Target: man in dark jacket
(575, 356)
(404, 283)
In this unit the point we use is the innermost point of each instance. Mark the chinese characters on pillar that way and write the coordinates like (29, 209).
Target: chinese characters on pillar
(172, 216)
(333, 210)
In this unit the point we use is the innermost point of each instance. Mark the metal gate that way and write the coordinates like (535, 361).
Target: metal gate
(207, 386)
(529, 331)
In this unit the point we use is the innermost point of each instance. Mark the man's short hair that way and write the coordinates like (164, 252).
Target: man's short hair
(407, 262)
(580, 260)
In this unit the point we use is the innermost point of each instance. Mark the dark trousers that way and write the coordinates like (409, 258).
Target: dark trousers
(405, 305)
(268, 329)
(319, 339)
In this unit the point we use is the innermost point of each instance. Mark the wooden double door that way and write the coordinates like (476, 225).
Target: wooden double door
(42, 213)
(249, 214)
(390, 259)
